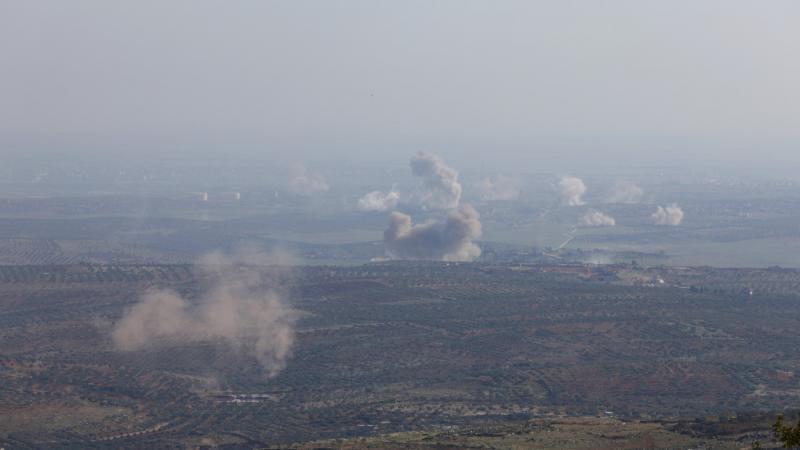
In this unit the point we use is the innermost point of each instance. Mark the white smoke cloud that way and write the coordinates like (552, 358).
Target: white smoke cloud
(440, 180)
(670, 215)
(625, 192)
(306, 183)
(243, 306)
(378, 201)
(502, 188)
(448, 240)
(571, 190)
(594, 218)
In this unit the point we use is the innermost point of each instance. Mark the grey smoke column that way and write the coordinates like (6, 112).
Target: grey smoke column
(448, 240)
(670, 215)
(440, 180)
(571, 190)
(243, 306)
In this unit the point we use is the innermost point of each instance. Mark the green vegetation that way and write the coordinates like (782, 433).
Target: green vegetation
(787, 435)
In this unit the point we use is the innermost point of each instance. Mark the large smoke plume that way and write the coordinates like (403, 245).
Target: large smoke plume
(594, 218)
(440, 180)
(670, 215)
(625, 192)
(448, 240)
(243, 305)
(502, 188)
(378, 201)
(571, 190)
(304, 182)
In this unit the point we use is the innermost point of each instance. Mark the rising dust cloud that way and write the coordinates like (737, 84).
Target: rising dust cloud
(244, 305)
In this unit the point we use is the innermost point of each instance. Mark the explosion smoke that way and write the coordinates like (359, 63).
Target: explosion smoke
(571, 190)
(378, 201)
(305, 183)
(671, 215)
(594, 218)
(625, 192)
(243, 306)
(448, 240)
(441, 181)
(502, 188)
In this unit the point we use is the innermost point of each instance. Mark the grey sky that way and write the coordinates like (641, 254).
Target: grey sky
(593, 77)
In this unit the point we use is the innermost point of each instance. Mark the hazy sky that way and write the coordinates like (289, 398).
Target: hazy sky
(551, 79)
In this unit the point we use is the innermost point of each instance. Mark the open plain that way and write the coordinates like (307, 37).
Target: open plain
(396, 347)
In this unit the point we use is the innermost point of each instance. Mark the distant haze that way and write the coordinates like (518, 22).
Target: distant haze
(572, 80)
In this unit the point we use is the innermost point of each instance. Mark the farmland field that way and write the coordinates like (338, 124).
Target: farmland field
(396, 347)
